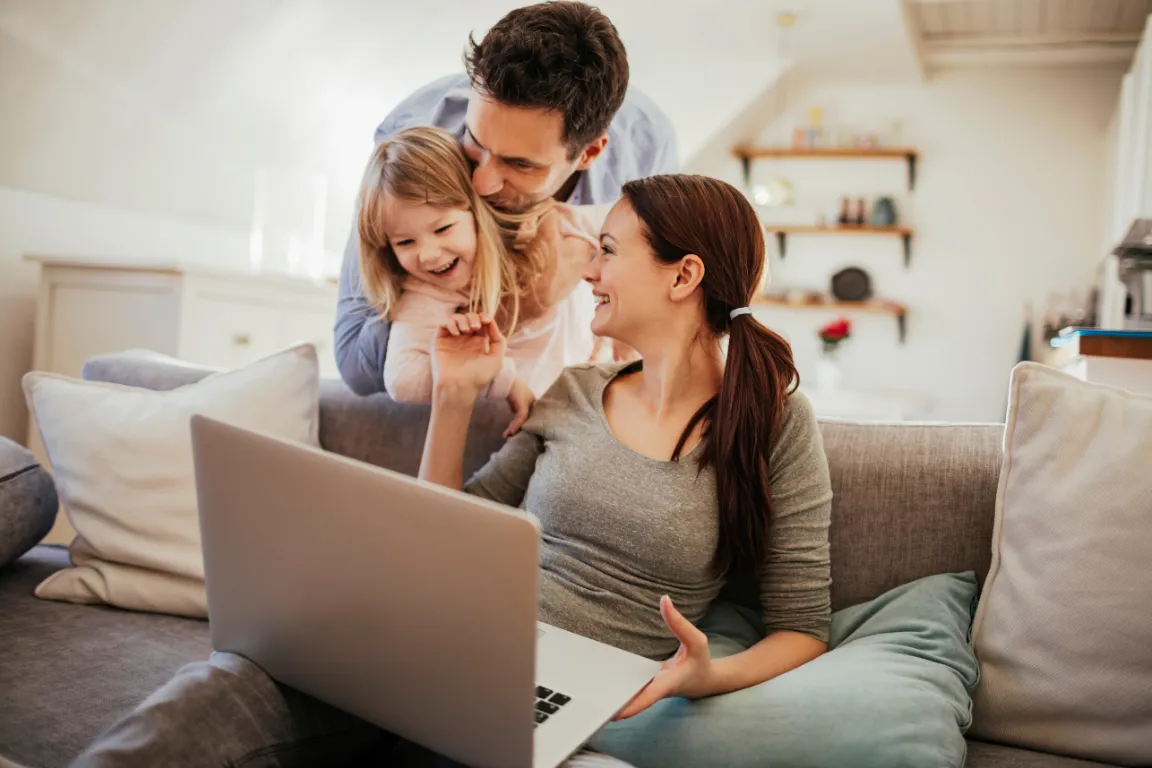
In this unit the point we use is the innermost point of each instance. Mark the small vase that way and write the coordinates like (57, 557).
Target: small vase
(828, 373)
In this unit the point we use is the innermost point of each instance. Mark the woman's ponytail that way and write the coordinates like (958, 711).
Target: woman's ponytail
(759, 374)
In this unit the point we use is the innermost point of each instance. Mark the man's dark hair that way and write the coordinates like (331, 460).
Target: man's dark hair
(563, 56)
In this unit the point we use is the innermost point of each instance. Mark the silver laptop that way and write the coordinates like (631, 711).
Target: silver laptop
(407, 604)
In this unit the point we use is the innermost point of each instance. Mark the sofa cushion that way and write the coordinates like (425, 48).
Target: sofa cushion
(375, 429)
(27, 501)
(122, 458)
(68, 671)
(984, 755)
(1064, 634)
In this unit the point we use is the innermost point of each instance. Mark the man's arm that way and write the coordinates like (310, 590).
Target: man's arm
(361, 334)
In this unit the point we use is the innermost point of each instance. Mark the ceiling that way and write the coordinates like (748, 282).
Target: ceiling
(1034, 32)
(175, 107)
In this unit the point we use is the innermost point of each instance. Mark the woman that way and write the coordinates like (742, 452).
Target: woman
(669, 476)
(657, 481)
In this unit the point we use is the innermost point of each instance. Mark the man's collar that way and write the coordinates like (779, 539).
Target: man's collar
(573, 185)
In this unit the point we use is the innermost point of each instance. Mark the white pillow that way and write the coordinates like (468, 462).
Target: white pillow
(122, 460)
(1063, 632)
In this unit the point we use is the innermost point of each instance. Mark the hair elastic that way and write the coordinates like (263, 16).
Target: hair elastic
(739, 311)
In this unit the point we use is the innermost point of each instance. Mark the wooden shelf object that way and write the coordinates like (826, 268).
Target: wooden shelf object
(782, 232)
(748, 154)
(874, 306)
(1093, 342)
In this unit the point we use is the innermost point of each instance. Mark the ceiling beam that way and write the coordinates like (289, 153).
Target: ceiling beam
(1009, 55)
(945, 42)
(915, 37)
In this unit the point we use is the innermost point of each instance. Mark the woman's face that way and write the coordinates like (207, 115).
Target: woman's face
(631, 286)
(433, 244)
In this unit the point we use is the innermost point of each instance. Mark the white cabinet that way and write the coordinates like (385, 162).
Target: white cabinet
(1131, 178)
(1142, 69)
(199, 314)
(1133, 195)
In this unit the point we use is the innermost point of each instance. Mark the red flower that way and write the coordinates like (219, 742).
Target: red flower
(837, 330)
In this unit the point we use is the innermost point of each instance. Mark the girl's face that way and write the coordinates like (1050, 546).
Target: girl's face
(433, 244)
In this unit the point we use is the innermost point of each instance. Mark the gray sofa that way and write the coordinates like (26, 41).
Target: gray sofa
(910, 500)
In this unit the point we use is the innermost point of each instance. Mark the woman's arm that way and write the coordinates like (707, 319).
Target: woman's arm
(463, 360)
(776, 654)
(796, 578)
(443, 459)
(466, 355)
(693, 674)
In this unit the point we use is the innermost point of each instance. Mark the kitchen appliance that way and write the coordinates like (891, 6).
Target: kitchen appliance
(1134, 271)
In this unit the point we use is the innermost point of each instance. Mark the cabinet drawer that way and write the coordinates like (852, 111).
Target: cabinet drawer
(231, 333)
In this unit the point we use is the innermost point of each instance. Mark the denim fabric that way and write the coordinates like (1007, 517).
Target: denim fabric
(228, 712)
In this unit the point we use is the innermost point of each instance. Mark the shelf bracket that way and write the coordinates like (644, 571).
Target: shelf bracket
(902, 325)
(746, 168)
(907, 249)
(911, 172)
(782, 243)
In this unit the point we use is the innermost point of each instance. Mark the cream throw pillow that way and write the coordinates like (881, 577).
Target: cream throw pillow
(122, 459)
(1064, 627)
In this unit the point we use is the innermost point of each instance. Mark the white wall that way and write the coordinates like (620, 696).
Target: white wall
(1009, 208)
(91, 111)
(40, 224)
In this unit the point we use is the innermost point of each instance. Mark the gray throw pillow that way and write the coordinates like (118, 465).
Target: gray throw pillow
(27, 501)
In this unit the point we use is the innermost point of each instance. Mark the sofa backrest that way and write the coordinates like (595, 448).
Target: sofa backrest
(910, 500)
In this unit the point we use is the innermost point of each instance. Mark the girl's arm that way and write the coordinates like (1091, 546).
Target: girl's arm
(408, 364)
(570, 243)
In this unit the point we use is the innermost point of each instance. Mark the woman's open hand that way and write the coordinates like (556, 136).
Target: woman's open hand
(467, 352)
(686, 674)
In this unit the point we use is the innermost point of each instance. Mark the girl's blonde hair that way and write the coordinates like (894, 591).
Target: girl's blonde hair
(427, 165)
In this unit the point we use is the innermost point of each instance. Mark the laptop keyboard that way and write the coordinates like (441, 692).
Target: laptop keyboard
(548, 703)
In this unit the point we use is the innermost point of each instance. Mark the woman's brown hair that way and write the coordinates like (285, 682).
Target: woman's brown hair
(427, 165)
(683, 215)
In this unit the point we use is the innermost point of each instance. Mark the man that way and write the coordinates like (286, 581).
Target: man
(544, 110)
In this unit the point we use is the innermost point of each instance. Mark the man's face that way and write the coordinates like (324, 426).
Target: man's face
(518, 153)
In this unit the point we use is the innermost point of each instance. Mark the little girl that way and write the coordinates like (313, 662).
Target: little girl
(430, 247)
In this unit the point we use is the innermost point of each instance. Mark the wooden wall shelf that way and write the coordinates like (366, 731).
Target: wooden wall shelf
(782, 232)
(874, 306)
(748, 154)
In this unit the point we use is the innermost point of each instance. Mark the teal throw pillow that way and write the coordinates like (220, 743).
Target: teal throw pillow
(894, 690)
